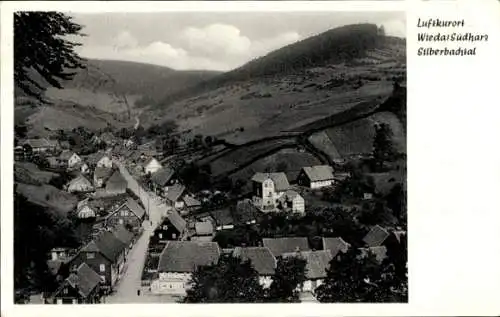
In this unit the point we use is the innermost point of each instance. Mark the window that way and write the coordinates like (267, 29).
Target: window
(74, 301)
(160, 235)
(102, 268)
(59, 301)
(65, 291)
(90, 255)
(174, 236)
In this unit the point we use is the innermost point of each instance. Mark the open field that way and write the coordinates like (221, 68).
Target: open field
(48, 196)
(244, 155)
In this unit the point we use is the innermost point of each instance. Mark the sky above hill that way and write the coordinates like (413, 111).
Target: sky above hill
(211, 41)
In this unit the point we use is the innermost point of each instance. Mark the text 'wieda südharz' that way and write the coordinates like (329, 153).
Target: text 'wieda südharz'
(463, 39)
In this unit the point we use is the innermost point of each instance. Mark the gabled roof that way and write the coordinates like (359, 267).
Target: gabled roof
(176, 220)
(280, 180)
(117, 178)
(222, 217)
(53, 143)
(108, 245)
(191, 201)
(80, 179)
(103, 172)
(185, 256)
(94, 158)
(85, 280)
(108, 137)
(37, 143)
(66, 155)
(279, 246)
(261, 258)
(317, 262)
(319, 173)
(122, 234)
(376, 236)
(134, 207)
(152, 160)
(335, 245)
(380, 252)
(173, 192)
(162, 176)
(204, 228)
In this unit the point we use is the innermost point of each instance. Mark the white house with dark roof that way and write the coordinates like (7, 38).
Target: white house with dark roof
(152, 166)
(262, 260)
(268, 188)
(178, 261)
(293, 201)
(317, 264)
(69, 159)
(316, 176)
(80, 184)
(85, 210)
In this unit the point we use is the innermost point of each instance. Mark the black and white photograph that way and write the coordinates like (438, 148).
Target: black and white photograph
(209, 157)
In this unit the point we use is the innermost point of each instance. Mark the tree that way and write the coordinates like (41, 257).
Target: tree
(383, 148)
(42, 53)
(396, 200)
(349, 278)
(231, 280)
(290, 274)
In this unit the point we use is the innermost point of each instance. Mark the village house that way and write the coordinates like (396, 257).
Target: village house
(178, 261)
(376, 236)
(116, 184)
(130, 212)
(99, 159)
(317, 264)
(203, 231)
(105, 254)
(65, 145)
(379, 252)
(335, 245)
(262, 261)
(101, 175)
(316, 176)
(125, 236)
(173, 196)
(191, 204)
(163, 178)
(280, 246)
(69, 159)
(130, 144)
(38, 146)
(172, 227)
(18, 153)
(152, 166)
(292, 201)
(84, 210)
(222, 218)
(267, 189)
(80, 184)
(109, 139)
(81, 287)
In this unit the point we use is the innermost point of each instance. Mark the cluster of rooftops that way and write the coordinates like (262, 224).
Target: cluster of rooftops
(185, 256)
